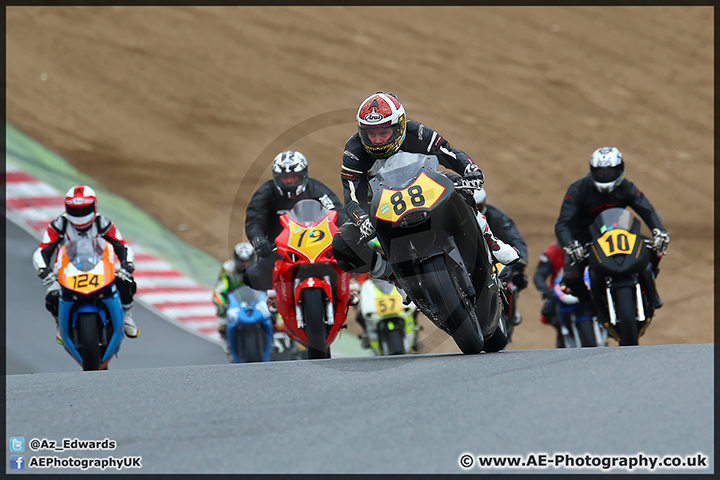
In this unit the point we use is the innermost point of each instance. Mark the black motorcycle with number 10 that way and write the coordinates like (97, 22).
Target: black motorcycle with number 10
(621, 278)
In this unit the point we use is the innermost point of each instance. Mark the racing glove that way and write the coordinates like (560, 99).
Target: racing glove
(129, 267)
(125, 270)
(366, 227)
(519, 278)
(221, 310)
(123, 273)
(262, 246)
(575, 251)
(47, 277)
(473, 177)
(547, 293)
(660, 241)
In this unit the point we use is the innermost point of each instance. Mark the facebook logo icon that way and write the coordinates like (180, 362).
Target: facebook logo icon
(17, 444)
(17, 462)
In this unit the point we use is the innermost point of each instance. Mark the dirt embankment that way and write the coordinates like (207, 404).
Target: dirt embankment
(181, 110)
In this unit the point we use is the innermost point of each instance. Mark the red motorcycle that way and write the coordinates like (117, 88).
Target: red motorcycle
(311, 292)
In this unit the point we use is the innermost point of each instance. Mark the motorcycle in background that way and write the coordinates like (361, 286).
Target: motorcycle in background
(90, 313)
(311, 292)
(577, 328)
(438, 256)
(284, 347)
(249, 326)
(621, 277)
(391, 326)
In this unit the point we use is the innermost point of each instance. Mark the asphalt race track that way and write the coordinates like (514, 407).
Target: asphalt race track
(172, 399)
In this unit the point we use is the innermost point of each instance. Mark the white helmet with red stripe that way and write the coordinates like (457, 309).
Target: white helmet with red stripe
(381, 124)
(81, 206)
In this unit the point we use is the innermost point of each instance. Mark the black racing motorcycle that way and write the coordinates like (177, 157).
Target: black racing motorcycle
(431, 238)
(621, 276)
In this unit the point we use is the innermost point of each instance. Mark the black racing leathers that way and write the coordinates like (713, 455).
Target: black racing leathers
(583, 203)
(358, 167)
(504, 228)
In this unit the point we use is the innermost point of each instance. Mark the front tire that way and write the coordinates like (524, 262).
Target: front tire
(89, 341)
(315, 329)
(392, 342)
(250, 338)
(586, 332)
(457, 315)
(626, 314)
(500, 337)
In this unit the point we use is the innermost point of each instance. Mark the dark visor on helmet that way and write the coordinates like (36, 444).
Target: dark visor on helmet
(79, 210)
(606, 174)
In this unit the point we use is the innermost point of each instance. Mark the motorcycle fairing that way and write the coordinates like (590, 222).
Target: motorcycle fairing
(86, 275)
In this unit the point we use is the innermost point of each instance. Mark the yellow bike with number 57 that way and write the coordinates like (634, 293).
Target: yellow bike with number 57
(391, 325)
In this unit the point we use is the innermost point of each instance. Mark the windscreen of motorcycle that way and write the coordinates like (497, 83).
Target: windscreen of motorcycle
(402, 168)
(308, 212)
(84, 253)
(86, 265)
(247, 297)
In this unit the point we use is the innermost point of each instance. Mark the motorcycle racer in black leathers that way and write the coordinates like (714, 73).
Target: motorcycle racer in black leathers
(382, 132)
(504, 228)
(604, 187)
(289, 185)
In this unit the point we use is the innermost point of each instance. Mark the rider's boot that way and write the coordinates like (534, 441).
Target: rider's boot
(380, 268)
(354, 299)
(501, 251)
(650, 275)
(364, 340)
(131, 330)
(222, 330)
(58, 335)
(272, 307)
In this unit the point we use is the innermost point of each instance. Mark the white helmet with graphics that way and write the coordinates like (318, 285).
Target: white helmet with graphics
(381, 124)
(290, 173)
(607, 168)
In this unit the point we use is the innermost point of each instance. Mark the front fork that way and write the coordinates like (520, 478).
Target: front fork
(329, 306)
(639, 308)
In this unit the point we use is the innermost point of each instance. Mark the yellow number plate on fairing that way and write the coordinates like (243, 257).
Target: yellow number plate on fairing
(389, 305)
(85, 282)
(310, 241)
(617, 241)
(421, 195)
